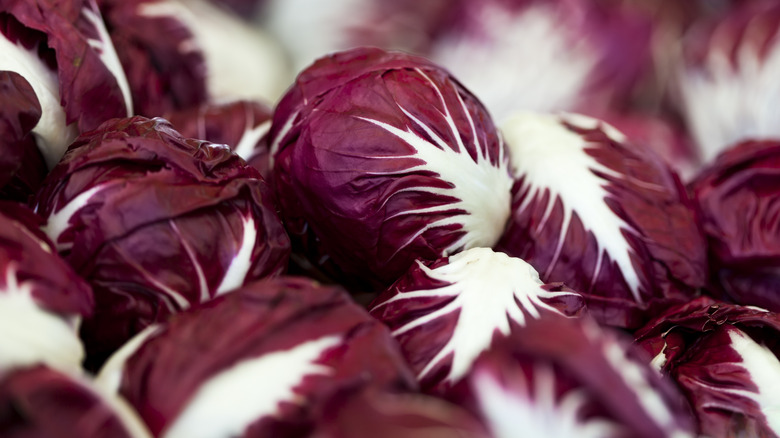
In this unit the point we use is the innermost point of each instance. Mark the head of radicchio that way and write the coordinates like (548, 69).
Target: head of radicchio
(608, 219)
(181, 53)
(39, 401)
(567, 377)
(261, 361)
(737, 200)
(242, 125)
(543, 55)
(445, 313)
(726, 359)
(725, 75)
(63, 51)
(42, 300)
(157, 222)
(380, 158)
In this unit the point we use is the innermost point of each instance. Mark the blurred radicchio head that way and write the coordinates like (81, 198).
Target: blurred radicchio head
(567, 377)
(40, 402)
(445, 313)
(42, 300)
(262, 361)
(608, 219)
(544, 55)
(380, 158)
(310, 28)
(737, 200)
(726, 359)
(63, 52)
(725, 80)
(157, 222)
(181, 53)
(242, 125)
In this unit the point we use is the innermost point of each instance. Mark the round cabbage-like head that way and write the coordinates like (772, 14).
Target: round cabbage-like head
(725, 359)
(380, 158)
(157, 222)
(737, 198)
(261, 361)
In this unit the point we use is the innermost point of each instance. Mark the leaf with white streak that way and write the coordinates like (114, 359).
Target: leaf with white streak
(486, 292)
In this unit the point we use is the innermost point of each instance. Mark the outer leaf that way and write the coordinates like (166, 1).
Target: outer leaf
(608, 219)
(63, 50)
(271, 354)
(41, 402)
(179, 54)
(157, 222)
(385, 158)
(566, 377)
(737, 200)
(725, 358)
(445, 314)
(41, 299)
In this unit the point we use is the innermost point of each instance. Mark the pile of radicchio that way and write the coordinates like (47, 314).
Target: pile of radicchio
(401, 219)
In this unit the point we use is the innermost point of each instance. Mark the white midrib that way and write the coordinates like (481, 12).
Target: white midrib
(551, 157)
(33, 335)
(105, 50)
(52, 132)
(487, 287)
(226, 404)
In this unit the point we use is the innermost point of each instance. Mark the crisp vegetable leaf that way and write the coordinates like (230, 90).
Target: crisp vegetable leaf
(585, 212)
(41, 299)
(444, 315)
(64, 52)
(261, 360)
(41, 402)
(568, 377)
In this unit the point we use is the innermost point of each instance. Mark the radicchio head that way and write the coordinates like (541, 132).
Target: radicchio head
(725, 81)
(543, 55)
(181, 53)
(565, 377)
(726, 359)
(610, 220)
(737, 199)
(385, 158)
(157, 222)
(63, 50)
(445, 313)
(39, 402)
(41, 299)
(261, 361)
